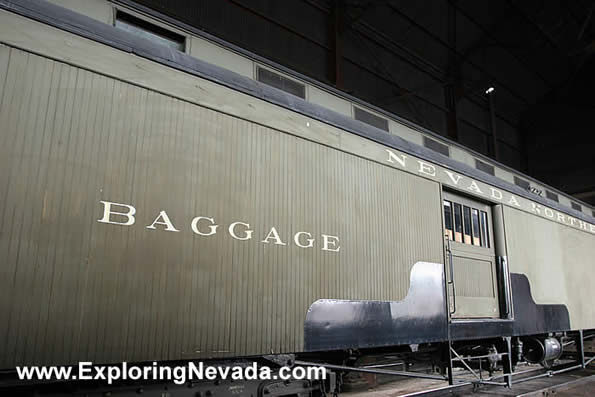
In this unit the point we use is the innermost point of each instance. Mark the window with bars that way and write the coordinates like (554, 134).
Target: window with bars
(467, 223)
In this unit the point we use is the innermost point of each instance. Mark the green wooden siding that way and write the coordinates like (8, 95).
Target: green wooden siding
(73, 288)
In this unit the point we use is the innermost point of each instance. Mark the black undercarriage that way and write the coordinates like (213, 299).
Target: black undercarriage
(350, 369)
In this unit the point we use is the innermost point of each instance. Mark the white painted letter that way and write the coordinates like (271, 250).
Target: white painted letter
(426, 168)
(513, 201)
(107, 206)
(310, 240)
(392, 157)
(473, 186)
(274, 235)
(548, 212)
(536, 208)
(561, 218)
(452, 177)
(232, 231)
(165, 221)
(497, 194)
(212, 227)
(330, 240)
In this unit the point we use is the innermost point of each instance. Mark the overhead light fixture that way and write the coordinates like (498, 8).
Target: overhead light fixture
(490, 90)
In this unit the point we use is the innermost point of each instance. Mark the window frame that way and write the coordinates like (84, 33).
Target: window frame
(476, 229)
(458, 228)
(449, 231)
(467, 225)
(485, 231)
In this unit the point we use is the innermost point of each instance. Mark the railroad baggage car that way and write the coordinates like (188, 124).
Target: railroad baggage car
(157, 207)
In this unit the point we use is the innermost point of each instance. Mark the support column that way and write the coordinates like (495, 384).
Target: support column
(580, 348)
(335, 32)
(449, 369)
(495, 148)
(452, 86)
(507, 362)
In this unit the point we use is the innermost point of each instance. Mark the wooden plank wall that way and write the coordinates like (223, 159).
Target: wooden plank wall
(73, 288)
(558, 261)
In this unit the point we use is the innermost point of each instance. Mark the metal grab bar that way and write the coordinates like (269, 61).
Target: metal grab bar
(452, 276)
(505, 279)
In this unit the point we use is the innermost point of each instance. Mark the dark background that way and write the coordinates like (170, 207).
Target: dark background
(431, 61)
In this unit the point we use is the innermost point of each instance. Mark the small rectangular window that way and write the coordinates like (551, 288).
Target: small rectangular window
(593, 213)
(436, 146)
(370, 118)
(485, 230)
(521, 182)
(147, 30)
(485, 167)
(458, 222)
(551, 196)
(476, 231)
(576, 206)
(448, 231)
(283, 83)
(466, 224)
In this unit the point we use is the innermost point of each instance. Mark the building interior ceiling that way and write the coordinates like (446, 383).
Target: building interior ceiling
(432, 62)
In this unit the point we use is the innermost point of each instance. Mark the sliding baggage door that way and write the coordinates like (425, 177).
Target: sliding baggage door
(470, 245)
